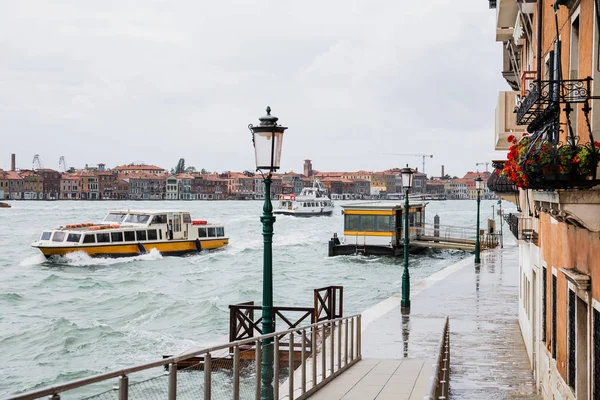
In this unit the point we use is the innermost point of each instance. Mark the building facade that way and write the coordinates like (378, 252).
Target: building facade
(551, 64)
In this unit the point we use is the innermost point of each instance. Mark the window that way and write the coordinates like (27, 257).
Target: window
(129, 236)
(596, 356)
(571, 341)
(160, 234)
(544, 290)
(89, 238)
(114, 217)
(58, 236)
(212, 232)
(220, 231)
(116, 236)
(103, 237)
(351, 222)
(554, 316)
(74, 237)
(201, 232)
(137, 218)
(160, 219)
(141, 235)
(46, 235)
(187, 219)
(152, 234)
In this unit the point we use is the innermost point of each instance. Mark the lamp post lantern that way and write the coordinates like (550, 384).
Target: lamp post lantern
(478, 188)
(267, 138)
(407, 177)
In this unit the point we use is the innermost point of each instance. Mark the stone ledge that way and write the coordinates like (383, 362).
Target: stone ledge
(580, 208)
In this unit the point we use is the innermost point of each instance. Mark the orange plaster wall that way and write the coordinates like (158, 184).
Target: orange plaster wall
(586, 55)
(566, 246)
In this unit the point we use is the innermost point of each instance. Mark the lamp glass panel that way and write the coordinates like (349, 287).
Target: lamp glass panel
(407, 180)
(478, 184)
(263, 146)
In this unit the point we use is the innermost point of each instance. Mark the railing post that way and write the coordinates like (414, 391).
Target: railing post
(352, 339)
(207, 376)
(332, 351)
(236, 373)
(345, 342)
(276, 367)
(258, 360)
(313, 352)
(323, 355)
(303, 361)
(123, 387)
(172, 381)
(358, 338)
(291, 366)
(339, 345)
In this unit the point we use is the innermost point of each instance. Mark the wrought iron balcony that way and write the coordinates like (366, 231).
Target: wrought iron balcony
(542, 98)
(499, 183)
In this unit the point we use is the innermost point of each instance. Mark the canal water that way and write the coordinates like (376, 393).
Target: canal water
(80, 316)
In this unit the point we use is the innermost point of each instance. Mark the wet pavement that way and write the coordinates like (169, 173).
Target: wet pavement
(488, 357)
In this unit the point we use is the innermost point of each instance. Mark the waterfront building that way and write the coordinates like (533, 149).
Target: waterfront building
(184, 187)
(378, 188)
(276, 186)
(171, 188)
(107, 183)
(358, 175)
(70, 187)
(552, 66)
(362, 189)
(436, 187)
(51, 183)
(15, 185)
(139, 169)
(209, 187)
(123, 188)
(89, 185)
(33, 185)
(3, 185)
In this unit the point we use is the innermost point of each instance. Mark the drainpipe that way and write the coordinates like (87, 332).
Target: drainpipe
(539, 42)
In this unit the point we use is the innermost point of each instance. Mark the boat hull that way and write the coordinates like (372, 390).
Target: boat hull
(170, 248)
(302, 214)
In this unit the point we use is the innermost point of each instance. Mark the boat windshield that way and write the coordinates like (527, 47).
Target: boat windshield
(137, 218)
(115, 217)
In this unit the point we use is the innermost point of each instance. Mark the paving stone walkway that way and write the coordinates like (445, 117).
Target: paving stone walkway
(488, 357)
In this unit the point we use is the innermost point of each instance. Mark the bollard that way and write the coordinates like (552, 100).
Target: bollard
(436, 227)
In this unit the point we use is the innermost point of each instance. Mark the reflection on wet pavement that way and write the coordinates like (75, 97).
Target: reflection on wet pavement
(488, 358)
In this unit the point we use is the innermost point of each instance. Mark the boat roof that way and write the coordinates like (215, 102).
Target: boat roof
(152, 212)
(382, 205)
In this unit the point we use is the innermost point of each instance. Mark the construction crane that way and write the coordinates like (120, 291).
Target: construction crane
(413, 155)
(483, 163)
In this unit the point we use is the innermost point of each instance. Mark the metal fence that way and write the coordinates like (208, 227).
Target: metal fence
(440, 380)
(313, 356)
(449, 232)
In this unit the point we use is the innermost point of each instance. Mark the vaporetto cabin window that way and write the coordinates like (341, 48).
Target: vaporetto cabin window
(89, 238)
(103, 237)
(73, 237)
(46, 235)
(152, 234)
(159, 219)
(129, 236)
(58, 236)
(116, 236)
(140, 235)
(369, 223)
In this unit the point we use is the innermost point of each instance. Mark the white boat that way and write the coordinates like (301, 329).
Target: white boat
(125, 233)
(311, 201)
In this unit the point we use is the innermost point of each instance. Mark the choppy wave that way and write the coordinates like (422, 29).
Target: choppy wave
(59, 316)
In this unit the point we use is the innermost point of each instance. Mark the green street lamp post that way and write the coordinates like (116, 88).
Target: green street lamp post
(407, 175)
(478, 187)
(267, 138)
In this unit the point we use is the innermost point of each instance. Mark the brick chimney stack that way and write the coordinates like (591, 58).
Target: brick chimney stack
(443, 175)
(13, 159)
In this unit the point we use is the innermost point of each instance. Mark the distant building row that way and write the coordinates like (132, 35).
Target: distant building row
(148, 182)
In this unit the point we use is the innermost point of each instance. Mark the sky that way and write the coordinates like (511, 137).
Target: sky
(356, 82)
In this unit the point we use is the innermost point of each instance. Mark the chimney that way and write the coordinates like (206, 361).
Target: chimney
(13, 162)
(443, 175)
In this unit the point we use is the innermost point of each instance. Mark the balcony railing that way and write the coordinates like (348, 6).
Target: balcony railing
(542, 97)
(522, 228)
(499, 183)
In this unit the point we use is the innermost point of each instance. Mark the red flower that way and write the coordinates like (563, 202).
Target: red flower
(597, 144)
(525, 134)
(576, 160)
(510, 138)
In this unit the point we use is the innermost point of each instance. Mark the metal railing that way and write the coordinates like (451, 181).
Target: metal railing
(440, 379)
(449, 232)
(334, 346)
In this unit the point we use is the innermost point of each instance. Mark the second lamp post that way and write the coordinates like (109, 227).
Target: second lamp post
(267, 138)
(407, 175)
(478, 187)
